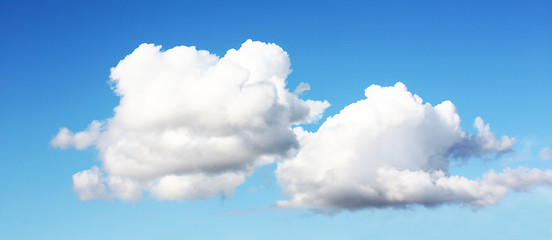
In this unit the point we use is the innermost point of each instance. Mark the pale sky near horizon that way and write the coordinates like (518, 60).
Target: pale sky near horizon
(276, 120)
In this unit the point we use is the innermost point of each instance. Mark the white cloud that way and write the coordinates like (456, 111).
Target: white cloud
(197, 186)
(88, 184)
(483, 143)
(545, 153)
(81, 140)
(301, 88)
(520, 179)
(392, 150)
(191, 125)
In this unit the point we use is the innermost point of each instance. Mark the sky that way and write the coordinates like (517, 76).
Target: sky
(275, 120)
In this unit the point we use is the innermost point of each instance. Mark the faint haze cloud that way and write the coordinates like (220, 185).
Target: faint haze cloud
(545, 153)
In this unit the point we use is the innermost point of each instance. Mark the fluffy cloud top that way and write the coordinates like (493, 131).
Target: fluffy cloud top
(191, 125)
(391, 149)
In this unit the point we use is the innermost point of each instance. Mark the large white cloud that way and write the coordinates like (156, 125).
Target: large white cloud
(392, 150)
(191, 125)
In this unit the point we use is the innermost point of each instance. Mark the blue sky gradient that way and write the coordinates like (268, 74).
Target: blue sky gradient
(491, 59)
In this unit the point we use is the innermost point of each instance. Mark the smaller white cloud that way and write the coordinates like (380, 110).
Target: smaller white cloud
(301, 88)
(317, 109)
(545, 153)
(393, 150)
(487, 140)
(88, 184)
(519, 179)
(483, 143)
(81, 140)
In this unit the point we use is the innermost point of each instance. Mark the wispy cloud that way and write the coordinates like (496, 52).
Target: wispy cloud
(545, 153)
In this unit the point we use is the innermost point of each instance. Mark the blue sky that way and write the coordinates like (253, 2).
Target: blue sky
(490, 59)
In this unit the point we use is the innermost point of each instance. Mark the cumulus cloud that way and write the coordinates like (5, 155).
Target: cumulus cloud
(81, 140)
(88, 184)
(190, 124)
(301, 88)
(483, 143)
(519, 179)
(545, 153)
(393, 150)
